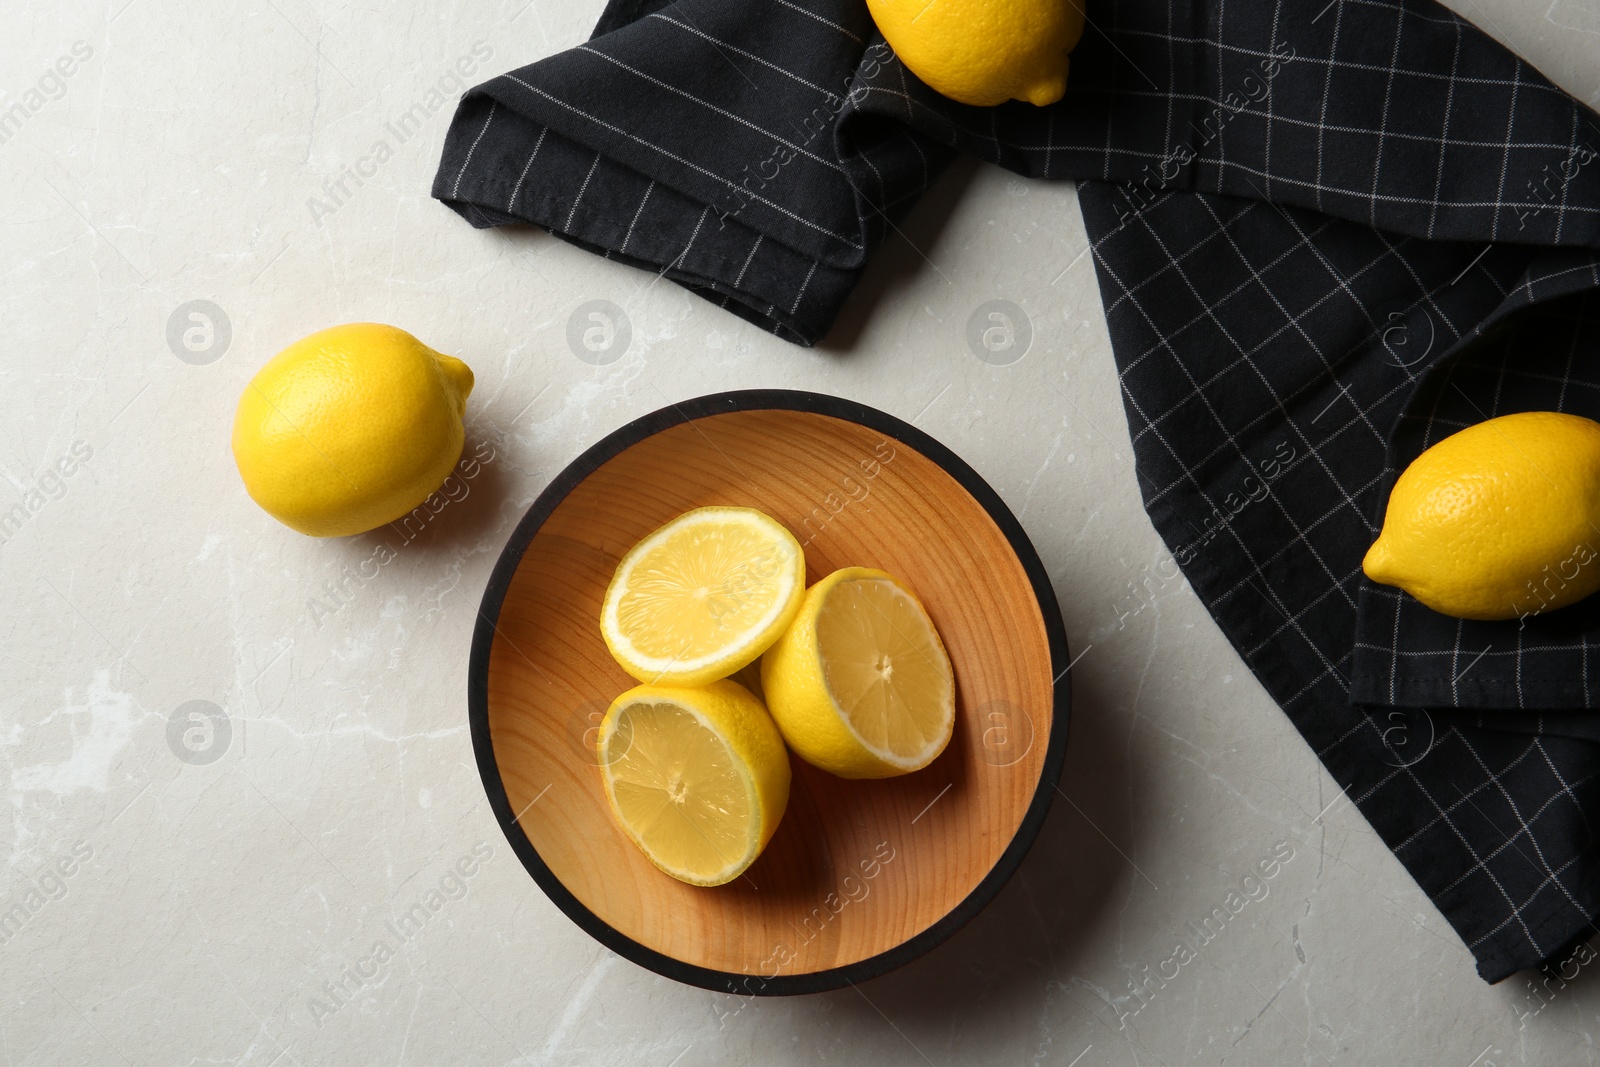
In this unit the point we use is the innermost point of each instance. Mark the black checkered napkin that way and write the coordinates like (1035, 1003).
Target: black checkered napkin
(1327, 233)
(697, 140)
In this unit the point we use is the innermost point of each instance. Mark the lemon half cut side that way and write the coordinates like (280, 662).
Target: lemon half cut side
(698, 778)
(703, 596)
(860, 684)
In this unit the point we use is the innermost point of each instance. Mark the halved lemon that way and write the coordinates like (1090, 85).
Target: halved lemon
(703, 596)
(860, 685)
(697, 778)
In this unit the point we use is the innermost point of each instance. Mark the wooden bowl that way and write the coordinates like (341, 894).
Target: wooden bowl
(861, 876)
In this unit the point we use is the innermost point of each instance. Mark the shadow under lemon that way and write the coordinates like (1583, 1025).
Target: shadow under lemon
(467, 512)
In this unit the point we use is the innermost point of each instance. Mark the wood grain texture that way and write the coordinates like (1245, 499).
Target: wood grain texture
(856, 868)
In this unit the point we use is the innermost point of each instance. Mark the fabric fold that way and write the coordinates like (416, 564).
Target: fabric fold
(607, 145)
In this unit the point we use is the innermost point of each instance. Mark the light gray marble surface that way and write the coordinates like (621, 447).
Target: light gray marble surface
(220, 879)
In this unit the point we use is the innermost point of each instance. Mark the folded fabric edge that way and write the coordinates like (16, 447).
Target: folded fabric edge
(1578, 725)
(746, 272)
(1462, 693)
(1567, 931)
(518, 95)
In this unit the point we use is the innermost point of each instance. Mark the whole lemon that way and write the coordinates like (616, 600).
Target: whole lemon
(1498, 521)
(350, 428)
(984, 52)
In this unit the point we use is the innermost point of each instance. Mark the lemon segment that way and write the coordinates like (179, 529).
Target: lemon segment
(703, 596)
(1498, 521)
(350, 428)
(984, 52)
(860, 684)
(697, 778)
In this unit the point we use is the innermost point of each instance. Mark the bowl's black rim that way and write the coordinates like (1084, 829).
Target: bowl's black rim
(500, 582)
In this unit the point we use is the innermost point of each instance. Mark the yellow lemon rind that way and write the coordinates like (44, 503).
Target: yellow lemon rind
(983, 54)
(350, 428)
(1485, 524)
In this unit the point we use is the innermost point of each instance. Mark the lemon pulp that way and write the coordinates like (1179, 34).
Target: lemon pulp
(884, 668)
(860, 685)
(697, 778)
(703, 596)
(678, 788)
